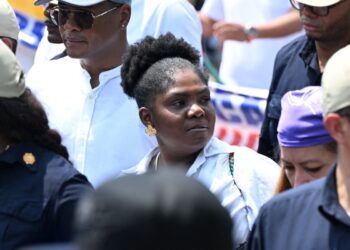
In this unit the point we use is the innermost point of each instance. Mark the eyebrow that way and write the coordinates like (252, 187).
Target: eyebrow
(301, 163)
(183, 93)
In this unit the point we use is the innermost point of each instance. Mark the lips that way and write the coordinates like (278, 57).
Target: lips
(198, 128)
(309, 26)
(73, 40)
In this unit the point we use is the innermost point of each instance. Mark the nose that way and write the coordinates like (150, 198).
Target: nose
(70, 23)
(301, 177)
(196, 111)
(47, 11)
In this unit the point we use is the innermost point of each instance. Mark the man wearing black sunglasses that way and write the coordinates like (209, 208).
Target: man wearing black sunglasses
(301, 62)
(82, 93)
(51, 45)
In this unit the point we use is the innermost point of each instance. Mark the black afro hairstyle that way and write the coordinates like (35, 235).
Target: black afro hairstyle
(150, 66)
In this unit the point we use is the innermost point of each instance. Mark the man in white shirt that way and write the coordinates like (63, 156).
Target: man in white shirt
(148, 17)
(251, 31)
(82, 93)
(51, 45)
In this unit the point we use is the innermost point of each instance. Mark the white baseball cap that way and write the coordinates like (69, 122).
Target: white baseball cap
(93, 2)
(11, 80)
(336, 81)
(41, 2)
(319, 3)
(8, 21)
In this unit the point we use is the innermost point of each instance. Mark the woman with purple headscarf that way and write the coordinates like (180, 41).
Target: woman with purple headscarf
(307, 149)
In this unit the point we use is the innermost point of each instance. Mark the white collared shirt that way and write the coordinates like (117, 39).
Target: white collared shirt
(100, 127)
(253, 182)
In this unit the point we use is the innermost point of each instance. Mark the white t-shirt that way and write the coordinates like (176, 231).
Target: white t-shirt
(100, 127)
(252, 184)
(248, 64)
(156, 17)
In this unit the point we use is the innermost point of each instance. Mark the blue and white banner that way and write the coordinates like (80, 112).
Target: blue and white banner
(239, 115)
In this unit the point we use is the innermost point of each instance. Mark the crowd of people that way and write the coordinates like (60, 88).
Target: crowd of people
(107, 142)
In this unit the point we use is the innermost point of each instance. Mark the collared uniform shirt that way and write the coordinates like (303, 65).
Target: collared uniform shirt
(296, 67)
(307, 217)
(252, 184)
(38, 194)
(100, 127)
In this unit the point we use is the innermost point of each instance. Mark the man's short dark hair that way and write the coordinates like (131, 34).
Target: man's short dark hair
(345, 112)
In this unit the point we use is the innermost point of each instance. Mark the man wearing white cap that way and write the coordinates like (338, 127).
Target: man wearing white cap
(148, 17)
(301, 62)
(9, 28)
(82, 93)
(316, 215)
(51, 45)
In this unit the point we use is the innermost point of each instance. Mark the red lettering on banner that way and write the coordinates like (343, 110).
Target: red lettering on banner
(236, 136)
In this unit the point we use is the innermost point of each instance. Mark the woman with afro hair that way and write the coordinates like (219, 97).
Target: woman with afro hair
(165, 78)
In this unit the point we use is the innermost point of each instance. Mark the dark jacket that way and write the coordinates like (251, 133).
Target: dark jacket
(38, 193)
(308, 217)
(296, 66)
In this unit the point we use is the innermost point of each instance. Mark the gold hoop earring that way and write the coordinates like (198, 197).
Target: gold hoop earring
(150, 130)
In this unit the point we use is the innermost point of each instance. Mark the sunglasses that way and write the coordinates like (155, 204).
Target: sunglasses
(319, 11)
(84, 19)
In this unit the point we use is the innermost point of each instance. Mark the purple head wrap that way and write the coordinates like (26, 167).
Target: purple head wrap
(301, 121)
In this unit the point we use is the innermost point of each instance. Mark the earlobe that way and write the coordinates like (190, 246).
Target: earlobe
(125, 14)
(145, 116)
(8, 42)
(333, 124)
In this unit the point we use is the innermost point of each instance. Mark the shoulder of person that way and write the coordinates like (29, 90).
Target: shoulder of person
(296, 198)
(252, 156)
(292, 48)
(51, 69)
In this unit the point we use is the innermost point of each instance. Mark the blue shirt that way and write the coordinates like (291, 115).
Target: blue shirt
(308, 217)
(296, 66)
(38, 193)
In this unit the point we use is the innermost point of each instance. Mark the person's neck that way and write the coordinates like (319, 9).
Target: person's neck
(102, 62)
(325, 49)
(343, 181)
(172, 159)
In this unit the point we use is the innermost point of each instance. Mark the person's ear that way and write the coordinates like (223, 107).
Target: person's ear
(8, 42)
(145, 116)
(334, 123)
(125, 14)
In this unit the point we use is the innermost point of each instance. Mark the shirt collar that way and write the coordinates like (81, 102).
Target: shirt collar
(104, 76)
(308, 54)
(213, 147)
(24, 153)
(330, 206)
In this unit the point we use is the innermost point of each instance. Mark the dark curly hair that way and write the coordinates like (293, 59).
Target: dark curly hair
(150, 66)
(24, 119)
